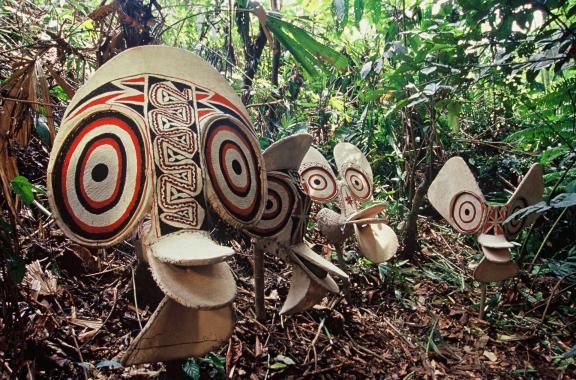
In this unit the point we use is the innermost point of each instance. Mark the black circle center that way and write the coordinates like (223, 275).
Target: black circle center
(99, 172)
(269, 204)
(466, 212)
(236, 167)
(317, 182)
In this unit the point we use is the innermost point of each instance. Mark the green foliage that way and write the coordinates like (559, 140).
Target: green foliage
(191, 369)
(311, 54)
(192, 366)
(560, 201)
(26, 190)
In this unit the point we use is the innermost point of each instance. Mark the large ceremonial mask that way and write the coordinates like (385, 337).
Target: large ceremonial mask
(457, 197)
(157, 131)
(376, 240)
(283, 225)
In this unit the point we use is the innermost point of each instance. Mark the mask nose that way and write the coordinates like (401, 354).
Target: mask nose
(495, 217)
(348, 204)
(377, 241)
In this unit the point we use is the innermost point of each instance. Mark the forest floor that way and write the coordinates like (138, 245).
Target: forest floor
(406, 319)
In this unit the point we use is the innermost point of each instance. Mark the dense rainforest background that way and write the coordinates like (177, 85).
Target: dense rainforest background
(410, 82)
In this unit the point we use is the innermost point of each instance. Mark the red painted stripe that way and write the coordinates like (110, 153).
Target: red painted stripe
(203, 113)
(212, 170)
(139, 176)
(93, 103)
(220, 99)
(110, 199)
(134, 99)
(225, 168)
(134, 80)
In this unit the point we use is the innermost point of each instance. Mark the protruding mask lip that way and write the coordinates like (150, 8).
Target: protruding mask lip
(377, 241)
(488, 271)
(189, 248)
(497, 255)
(495, 241)
(321, 278)
(196, 287)
(303, 251)
(496, 248)
(303, 294)
(367, 215)
(180, 332)
(188, 266)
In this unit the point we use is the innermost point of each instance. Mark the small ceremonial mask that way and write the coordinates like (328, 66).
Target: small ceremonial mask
(283, 225)
(158, 131)
(457, 197)
(376, 240)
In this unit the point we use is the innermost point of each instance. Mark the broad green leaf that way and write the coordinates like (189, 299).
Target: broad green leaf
(216, 361)
(23, 188)
(454, 109)
(564, 200)
(191, 369)
(376, 9)
(358, 11)
(311, 54)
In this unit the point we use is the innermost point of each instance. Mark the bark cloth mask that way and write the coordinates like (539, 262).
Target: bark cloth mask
(157, 132)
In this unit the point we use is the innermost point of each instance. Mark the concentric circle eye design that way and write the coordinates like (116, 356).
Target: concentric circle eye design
(512, 228)
(467, 211)
(318, 183)
(358, 183)
(233, 164)
(97, 181)
(279, 205)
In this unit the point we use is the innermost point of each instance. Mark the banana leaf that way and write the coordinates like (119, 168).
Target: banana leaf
(311, 54)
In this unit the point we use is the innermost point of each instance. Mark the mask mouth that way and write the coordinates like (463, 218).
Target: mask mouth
(311, 279)
(189, 248)
(316, 273)
(303, 294)
(175, 331)
(489, 271)
(189, 268)
(196, 314)
(306, 255)
(497, 264)
(495, 241)
(377, 241)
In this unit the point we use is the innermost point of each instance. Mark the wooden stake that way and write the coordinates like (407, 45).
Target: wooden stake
(482, 299)
(259, 282)
(346, 286)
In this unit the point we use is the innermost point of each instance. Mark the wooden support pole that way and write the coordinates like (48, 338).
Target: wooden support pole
(482, 299)
(259, 282)
(340, 254)
(346, 286)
